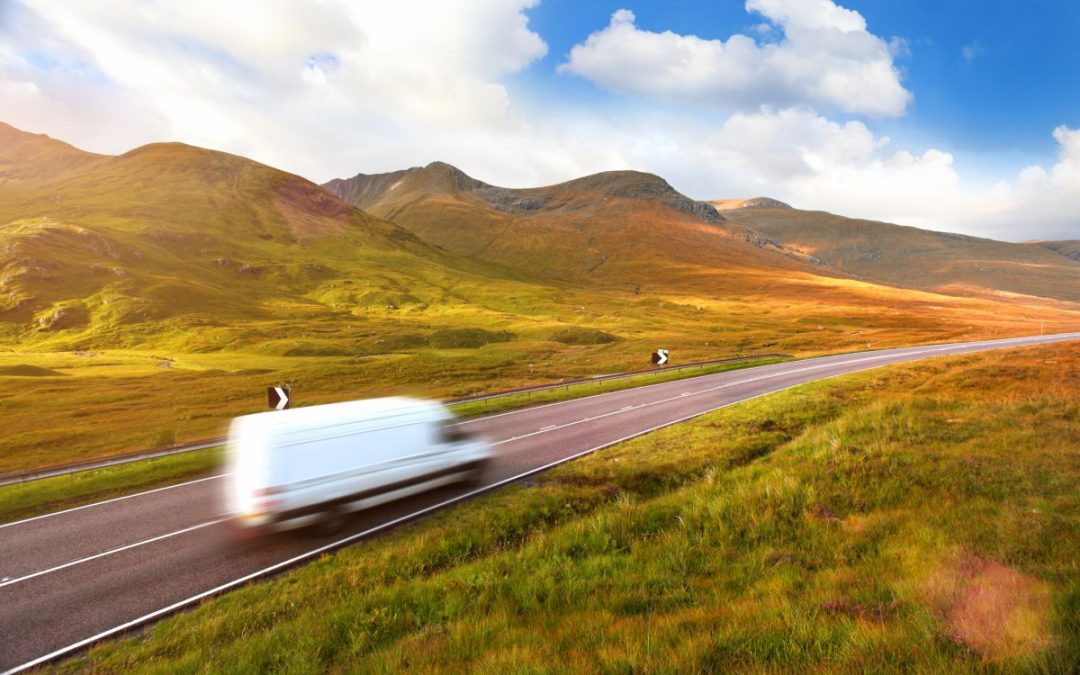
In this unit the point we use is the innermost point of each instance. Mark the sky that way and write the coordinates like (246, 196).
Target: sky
(960, 116)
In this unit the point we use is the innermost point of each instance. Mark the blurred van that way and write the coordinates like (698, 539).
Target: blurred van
(313, 465)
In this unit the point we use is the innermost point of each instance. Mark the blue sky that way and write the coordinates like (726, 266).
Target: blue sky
(961, 115)
(1020, 76)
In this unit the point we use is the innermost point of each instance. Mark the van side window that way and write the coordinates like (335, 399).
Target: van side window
(449, 432)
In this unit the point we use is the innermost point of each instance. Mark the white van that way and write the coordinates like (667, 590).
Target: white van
(313, 465)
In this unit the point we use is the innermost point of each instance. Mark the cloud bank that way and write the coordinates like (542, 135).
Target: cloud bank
(333, 88)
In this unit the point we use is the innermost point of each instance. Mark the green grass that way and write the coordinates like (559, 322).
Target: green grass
(33, 498)
(920, 518)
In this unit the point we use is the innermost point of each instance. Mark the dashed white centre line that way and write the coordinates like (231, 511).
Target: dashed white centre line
(8, 581)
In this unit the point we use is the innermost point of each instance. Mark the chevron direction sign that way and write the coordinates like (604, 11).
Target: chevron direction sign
(660, 357)
(279, 398)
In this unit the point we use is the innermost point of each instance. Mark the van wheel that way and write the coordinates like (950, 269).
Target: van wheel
(476, 477)
(331, 521)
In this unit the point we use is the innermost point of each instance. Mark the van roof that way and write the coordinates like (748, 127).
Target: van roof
(380, 408)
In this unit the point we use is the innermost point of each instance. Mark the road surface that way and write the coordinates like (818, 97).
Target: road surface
(71, 578)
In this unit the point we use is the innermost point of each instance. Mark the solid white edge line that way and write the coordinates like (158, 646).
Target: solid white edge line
(110, 501)
(111, 551)
(378, 528)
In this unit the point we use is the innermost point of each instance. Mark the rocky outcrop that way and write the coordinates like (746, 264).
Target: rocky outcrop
(765, 203)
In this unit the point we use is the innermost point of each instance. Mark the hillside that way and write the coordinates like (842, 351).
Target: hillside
(1069, 248)
(618, 228)
(26, 157)
(172, 242)
(914, 258)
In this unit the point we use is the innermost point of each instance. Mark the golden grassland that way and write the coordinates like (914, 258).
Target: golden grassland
(69, 405)
(918, 518)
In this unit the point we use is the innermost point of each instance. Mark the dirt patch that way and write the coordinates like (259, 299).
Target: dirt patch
(997, 611)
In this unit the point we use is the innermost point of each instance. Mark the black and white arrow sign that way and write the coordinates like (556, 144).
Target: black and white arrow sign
(660, 357)
(279, 398)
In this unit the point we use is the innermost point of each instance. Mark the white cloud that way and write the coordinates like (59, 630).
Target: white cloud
(812, 162)
(318, 88)
(827, 58)
(971, 51)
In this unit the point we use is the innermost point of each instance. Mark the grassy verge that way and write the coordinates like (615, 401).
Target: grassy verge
(917, 518)
(33, 498)
(53, 494)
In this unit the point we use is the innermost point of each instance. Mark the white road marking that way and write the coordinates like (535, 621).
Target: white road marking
(110, 501)
(378, 528)
(8, 581)
(554, 427)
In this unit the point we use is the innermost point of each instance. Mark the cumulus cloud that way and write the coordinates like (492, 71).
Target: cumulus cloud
(826, 58)
(812, 162)
(294, 84)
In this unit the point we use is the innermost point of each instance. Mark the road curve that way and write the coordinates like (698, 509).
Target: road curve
(71, 578)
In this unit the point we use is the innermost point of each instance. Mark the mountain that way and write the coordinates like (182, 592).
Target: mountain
(181, 250)
(1070, 248)
(913, 258)
(753, 202)
(170, 242)
(26, 157)
(623, 228)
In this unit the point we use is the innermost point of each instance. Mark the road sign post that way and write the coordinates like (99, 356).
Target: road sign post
(660, 357)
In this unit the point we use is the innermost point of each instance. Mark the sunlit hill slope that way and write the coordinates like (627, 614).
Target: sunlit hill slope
(620, 228)
(144, 247)
(914, 258)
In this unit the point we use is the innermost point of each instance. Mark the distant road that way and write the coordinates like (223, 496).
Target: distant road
(71, 578)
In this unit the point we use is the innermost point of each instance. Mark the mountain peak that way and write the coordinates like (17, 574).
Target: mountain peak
(751, 203)
(26, 156)
(440, 177)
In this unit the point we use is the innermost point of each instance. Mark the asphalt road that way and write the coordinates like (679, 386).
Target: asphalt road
(73, 577)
